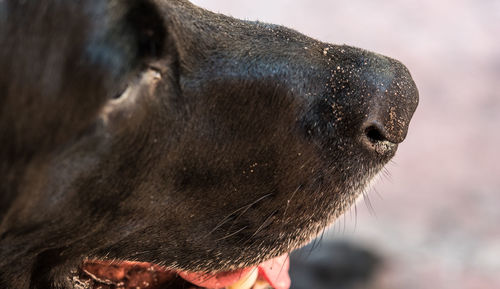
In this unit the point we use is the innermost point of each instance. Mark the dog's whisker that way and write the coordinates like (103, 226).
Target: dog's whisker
(355, 216)
(246, 208)
(264, 224)
(228, 217)
(343, 224)
(289, 200)
(368, 203)
(317, 241)
(224, 220)
(378, 193)
(387, 174)
(321, 237)
(231, 234)
(283, 265)
(314, 244)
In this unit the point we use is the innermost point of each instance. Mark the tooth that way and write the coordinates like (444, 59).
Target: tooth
(247, 281)
(261, 284)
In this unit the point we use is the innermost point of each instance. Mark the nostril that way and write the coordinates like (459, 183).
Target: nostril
(375, 139)
(375, 133)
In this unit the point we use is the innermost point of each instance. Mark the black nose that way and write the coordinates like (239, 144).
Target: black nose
(393, 97)
(374, 137)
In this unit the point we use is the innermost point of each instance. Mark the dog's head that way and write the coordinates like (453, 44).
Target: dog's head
(186, 138)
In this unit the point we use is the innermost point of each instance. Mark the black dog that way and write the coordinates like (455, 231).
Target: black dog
(158, 132)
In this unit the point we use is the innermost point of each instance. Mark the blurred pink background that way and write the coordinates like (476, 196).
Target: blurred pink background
(436, 217)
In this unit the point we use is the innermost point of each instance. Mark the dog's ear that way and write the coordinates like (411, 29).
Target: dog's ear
(62, 60)
(145, 22)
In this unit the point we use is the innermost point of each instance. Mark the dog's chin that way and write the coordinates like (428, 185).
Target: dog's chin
(94, 274)
(271, 273)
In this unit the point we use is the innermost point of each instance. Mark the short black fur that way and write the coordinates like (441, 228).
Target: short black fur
(232, 142)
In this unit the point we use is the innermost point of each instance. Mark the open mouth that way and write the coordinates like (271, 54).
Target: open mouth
(97, 274)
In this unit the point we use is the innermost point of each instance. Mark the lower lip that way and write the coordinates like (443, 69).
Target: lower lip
(273, 272)
(219, 280)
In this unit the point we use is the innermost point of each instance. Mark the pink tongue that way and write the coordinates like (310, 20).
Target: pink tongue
(274, 271)
(214, 281)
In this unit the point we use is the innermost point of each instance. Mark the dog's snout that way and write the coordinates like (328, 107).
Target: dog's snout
(369, 106)
(392, 97)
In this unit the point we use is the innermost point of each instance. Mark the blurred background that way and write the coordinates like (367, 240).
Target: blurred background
(434, 221)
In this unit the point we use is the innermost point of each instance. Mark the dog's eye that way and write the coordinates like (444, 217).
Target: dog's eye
(150, 75)
(133, 94)
(121, 92)
(134, 86)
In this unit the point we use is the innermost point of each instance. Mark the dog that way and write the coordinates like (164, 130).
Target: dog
(150, 143)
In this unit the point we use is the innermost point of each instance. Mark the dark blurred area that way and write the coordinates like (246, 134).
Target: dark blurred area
(431, 221)
(333, 265)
